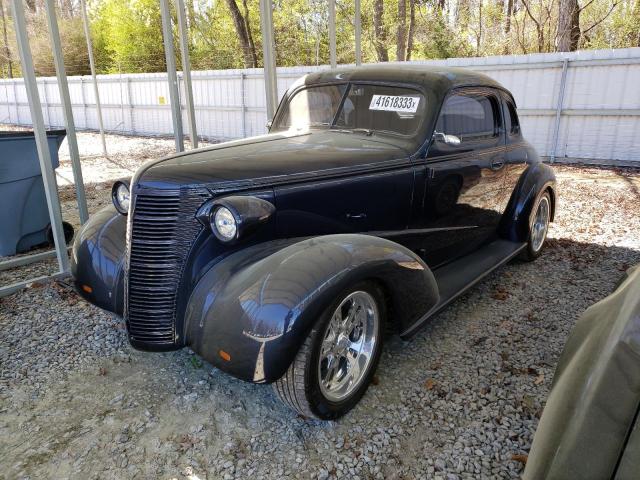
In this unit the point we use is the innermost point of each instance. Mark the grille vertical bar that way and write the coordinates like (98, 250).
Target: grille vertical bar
(163, 229)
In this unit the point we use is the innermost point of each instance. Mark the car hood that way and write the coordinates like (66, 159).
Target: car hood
(272, 159)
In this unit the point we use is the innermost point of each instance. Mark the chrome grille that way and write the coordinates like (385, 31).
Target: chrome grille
(163, 229)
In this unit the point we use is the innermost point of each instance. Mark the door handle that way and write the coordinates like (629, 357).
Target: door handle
(497, 164)
(356, 216)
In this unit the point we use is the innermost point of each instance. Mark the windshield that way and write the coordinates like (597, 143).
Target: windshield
(370, 108)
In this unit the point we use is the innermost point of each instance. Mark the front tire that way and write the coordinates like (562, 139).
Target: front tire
(538, 228)
(336, 363)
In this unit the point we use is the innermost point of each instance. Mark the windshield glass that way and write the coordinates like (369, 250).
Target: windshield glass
(375, 108)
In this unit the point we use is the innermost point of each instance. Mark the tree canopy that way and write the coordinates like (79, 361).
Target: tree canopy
(127, 34)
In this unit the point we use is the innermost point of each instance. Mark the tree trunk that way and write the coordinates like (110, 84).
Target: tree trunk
(507, 19)
(412, 27)
(249, 34)
(568, 26)
(636, 14)
(380, 31)
(479, 35)
(401, 38)
(243, 36)
(6, 52)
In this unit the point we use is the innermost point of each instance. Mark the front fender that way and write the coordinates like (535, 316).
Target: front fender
(97, 259)
(249, 314)
(537, 178)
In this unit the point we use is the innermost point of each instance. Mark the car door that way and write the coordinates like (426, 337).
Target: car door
(360, 202)
(464, 176)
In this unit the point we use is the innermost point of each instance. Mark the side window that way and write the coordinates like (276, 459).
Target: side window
(470, 116)
(512, 124)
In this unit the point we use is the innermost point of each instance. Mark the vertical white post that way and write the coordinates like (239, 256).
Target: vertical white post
(63, 87)
(556, 127)
(358, 33)
(44, 155)
(130, 103)
(332, 33)
(174, 97)
(92, 66)
(268, 52)
(243, 104)
(186, 72)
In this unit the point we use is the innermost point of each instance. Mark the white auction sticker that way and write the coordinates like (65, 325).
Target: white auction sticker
(394, 103)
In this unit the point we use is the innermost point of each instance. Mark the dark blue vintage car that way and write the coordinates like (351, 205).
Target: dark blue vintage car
(379, 195)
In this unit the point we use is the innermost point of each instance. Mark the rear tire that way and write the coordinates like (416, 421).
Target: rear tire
(538, 228)
(335, 364)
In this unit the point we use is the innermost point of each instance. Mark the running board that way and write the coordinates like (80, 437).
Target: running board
(455, 278)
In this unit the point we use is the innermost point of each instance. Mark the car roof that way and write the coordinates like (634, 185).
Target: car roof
(427, 76)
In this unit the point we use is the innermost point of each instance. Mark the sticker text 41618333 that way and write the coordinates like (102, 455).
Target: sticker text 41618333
(394, 103)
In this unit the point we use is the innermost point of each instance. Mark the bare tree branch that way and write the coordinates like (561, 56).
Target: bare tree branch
(615, 4)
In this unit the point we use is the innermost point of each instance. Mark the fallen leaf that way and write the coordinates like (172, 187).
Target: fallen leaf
(375, 380)
(519, 457)
(430, 384)
(102, 371)
(539, 379)
(500, 294)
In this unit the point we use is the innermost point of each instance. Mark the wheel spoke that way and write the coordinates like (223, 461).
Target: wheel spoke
(345, 352)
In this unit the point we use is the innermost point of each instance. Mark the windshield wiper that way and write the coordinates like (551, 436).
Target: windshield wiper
(366, 131)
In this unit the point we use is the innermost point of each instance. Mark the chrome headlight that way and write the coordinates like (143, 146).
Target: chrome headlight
(224, 224)
(235, 217)
(121, 196)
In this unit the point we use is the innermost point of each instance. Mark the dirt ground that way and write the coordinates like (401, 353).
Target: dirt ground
(460, 400)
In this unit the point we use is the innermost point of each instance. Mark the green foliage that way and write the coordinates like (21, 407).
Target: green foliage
(127, 34)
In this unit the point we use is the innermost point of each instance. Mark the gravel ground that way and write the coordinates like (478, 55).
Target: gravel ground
(460, 400)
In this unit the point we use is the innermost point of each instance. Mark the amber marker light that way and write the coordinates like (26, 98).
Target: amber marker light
(224, 355)
(87, 288)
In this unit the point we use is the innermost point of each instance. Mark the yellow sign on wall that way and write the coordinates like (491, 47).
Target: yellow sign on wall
(162, 100)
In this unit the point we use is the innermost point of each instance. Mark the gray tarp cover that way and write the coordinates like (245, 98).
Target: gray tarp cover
(595, 396)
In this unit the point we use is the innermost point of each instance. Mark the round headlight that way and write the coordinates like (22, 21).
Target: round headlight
(224, 224)
(121, 197)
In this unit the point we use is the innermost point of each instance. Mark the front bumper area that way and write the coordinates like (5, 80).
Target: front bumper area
(97, 260)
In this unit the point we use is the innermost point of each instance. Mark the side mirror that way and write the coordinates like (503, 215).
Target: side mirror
(451, 140)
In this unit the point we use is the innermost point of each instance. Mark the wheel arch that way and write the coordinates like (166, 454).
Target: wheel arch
(536, 179)
(258, 308)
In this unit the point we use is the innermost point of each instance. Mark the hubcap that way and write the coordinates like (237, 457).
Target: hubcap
(348, 345)
(540, 225)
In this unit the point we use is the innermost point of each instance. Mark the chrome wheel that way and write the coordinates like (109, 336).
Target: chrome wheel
(540, 224)
(348, 345)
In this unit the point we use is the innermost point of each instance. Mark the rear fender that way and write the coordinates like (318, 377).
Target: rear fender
(249, 314)
(535, 180)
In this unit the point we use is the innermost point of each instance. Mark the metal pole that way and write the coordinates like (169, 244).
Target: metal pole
(358, 33)
(46, 103)
(556, 129)
(268, 52)
(63, 87)
(174, 99)
(130, 103)
(243, 104)
(92, 65)
(186, 72)
(44, 155)
(332, 33)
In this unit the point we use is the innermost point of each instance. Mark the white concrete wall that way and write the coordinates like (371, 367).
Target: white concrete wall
(600, 117)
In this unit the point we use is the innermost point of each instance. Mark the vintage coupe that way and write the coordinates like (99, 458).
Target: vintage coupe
(379, 195)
